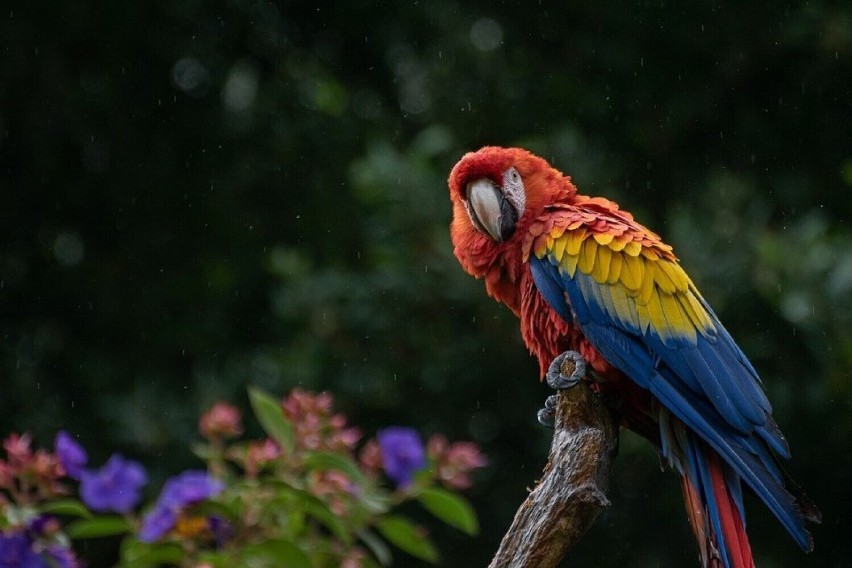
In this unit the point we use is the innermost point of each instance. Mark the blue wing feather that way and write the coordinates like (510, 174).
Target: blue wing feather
(708, 385)
(549, 284)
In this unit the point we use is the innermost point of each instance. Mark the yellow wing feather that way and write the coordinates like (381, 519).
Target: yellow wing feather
(559, 248)
(649, 285)
(587, 257)
(658, 318)
(619, 243)
(625, 307)
(603, 238)
(633, 248)
(600, 272)
(615, 264)
(632, 272)
(639, 283)
(569, 263)
(573, 241)
(676, 317)
(662, 278)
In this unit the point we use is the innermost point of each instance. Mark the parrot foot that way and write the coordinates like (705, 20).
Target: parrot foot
(555, 377)
(570, 362)
(547, 415)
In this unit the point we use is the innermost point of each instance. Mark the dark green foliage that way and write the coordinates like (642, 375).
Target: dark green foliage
(196, 196)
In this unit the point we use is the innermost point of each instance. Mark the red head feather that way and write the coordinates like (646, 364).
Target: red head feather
(500, 262)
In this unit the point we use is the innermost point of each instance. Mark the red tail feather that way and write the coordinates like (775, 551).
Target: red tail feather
(733, 530)
(700, 527)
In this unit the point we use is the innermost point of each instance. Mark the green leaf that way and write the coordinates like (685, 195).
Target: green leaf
(66, 507)
(407, 536)
(273, 554)
(138, 554)
(97, 527)
(215, 559)
(320, 511)
(297, 500)
(205, 452)
(368, 562)
(328, 460)
(453, 509)
(271, 416)
(375, 501)
(377, 546)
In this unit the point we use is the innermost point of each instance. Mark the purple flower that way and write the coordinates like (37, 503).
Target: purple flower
(402, 453)
(180, 491)
(61, 557)
(114, 487)
(222, 530)
(71, 455)
(188, 488)
(16, 551)
(43, 525)
(156, 523)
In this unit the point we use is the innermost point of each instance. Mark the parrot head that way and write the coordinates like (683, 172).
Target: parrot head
(496, 193)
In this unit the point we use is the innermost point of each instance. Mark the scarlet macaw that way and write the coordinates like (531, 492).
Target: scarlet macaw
(582, 275)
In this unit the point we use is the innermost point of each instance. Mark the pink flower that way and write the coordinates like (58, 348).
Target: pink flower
(259, 454)
(436, 446)
(455, 462)
(333, 487)
(45, 466)
(354, 558)
(371, 457)
(18, 449)
(7, 476)
(40, 469)
(222, 421)
(315, 425)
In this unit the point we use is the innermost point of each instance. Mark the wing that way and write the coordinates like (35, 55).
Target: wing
(625, 290)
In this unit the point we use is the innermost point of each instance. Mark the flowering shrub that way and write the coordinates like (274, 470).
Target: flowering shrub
(310, 493)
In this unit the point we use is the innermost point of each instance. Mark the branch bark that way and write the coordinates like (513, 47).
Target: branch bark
(572, 491)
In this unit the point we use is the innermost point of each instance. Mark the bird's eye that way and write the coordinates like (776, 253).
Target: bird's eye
(516, 177)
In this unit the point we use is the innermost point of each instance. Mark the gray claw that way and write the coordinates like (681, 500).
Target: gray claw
(547, 415)
(556, 380)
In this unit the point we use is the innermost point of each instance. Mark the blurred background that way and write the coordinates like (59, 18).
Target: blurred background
(196, 196)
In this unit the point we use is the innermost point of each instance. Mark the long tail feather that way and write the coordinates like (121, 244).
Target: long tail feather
(714, 508)
(733, 529)
(712, 494)
(698, 522)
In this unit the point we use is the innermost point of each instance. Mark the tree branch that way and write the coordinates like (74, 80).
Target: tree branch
(571, 493)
